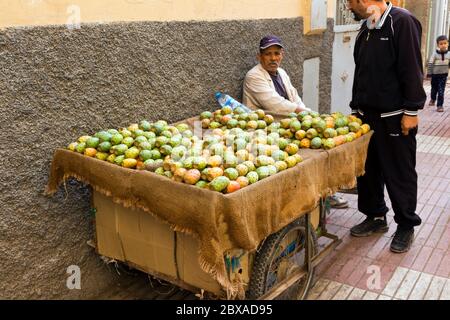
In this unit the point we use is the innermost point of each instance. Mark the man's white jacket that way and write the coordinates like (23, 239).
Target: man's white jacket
(260, 93)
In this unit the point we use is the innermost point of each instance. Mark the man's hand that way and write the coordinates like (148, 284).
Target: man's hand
(409, 123)
(300, 109)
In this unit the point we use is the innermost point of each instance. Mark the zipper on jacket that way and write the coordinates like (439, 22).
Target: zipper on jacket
(368, 35)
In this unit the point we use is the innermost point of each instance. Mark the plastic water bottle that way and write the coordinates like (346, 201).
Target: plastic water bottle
(225, 100)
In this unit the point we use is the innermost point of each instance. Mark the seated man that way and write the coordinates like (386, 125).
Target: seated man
(268, 87)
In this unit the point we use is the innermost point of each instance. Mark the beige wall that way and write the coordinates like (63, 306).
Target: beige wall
(45, 12)
(421, 10)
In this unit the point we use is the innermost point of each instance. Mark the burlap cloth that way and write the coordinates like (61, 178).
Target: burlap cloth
(221, 222)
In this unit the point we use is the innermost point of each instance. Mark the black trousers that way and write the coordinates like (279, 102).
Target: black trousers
(438, 83)
(391, 162)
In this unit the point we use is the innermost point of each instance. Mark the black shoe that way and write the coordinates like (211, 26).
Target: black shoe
(403, 239)
(369, 226)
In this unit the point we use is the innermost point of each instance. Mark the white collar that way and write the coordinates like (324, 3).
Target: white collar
(266, 73)
(383, 18)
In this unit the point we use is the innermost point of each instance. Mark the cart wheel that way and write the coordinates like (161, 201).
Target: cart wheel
(281, 254)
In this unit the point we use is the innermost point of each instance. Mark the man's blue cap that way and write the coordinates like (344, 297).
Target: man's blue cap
(269, 41)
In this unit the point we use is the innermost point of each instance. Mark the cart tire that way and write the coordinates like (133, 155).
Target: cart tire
(264, 257)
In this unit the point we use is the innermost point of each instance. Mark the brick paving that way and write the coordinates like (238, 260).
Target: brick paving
(364, 268)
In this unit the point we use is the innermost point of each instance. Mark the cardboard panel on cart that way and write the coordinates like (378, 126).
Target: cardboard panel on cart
(127, 235)
(189, 267)
(137, 237)
(146, 241)
(108, 242)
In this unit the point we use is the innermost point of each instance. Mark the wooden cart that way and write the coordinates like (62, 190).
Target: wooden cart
(282, 267)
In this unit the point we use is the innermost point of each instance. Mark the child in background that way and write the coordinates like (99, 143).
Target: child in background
(438, 70)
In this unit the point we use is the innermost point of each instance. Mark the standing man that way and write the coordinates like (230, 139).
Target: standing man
(267, 86)
(387, 94)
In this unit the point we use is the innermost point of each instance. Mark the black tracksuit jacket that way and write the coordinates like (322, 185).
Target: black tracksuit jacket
(389, 74)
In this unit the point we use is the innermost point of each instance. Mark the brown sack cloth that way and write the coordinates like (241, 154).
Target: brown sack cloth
(221, 222)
